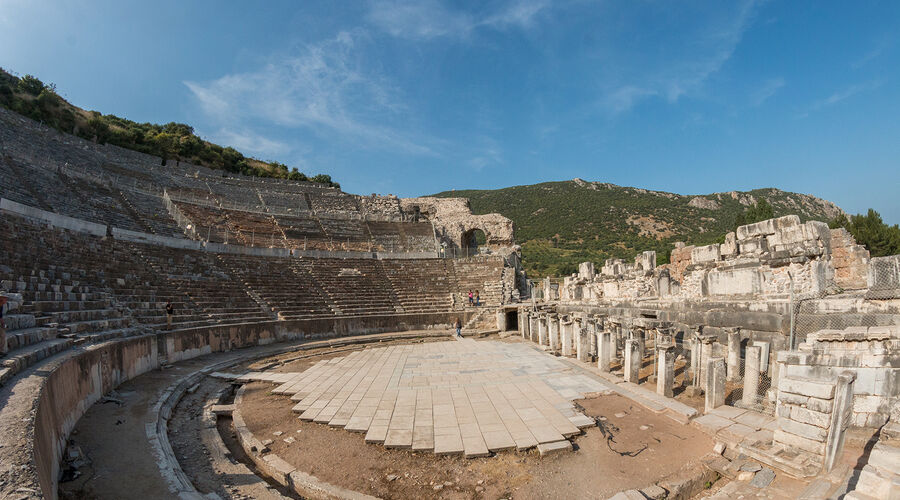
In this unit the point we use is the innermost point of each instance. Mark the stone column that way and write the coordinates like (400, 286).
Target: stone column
(584, 342)
(751, 375)
(605, 350)
(501, 320)
(592, 335)
(543, 320)
(632, 361)
(715, 383)
(533, 326)
(553, 325)
(665, 374)
(694, 389)
(706, 347)
(640, 335)
(734, 354)
(567, 340)
(520, 322)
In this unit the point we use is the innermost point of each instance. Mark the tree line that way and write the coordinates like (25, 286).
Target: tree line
(31, 97)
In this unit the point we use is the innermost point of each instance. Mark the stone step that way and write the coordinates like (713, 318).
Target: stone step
(20, 338)
(20, 359)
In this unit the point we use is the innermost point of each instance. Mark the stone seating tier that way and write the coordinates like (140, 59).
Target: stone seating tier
(89, 288)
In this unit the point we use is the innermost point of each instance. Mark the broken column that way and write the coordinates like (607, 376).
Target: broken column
(694, 389)
(665, 374)
(706, 350)
(533, 326)
(605, 348)
(592, 335)
(583, 347)
(567, 339)
(841, 417)
(542, 329)
(522, 324)
(734, 354)
(715, 383)
(640, 334)
(553, 326)
(751, 375)
(632, 361)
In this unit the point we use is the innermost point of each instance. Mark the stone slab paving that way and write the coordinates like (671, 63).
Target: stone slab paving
(450, 397)
(737, 425)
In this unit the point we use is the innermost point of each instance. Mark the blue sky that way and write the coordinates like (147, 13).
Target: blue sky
(417, 97)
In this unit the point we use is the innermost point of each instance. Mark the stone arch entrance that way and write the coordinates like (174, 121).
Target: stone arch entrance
(472, 239)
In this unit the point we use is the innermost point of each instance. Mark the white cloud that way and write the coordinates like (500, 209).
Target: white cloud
(767, 90)
(427, 19)
(324, 87)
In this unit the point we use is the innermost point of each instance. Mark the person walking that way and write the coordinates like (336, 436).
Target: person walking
(3, 300)
(477, 299)
(170, 311)
(470, 298)
(458, 326)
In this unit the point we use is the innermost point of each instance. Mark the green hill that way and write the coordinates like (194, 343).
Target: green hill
(560, 224)
(39, 101)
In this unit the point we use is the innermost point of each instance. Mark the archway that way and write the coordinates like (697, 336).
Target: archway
(472, 239)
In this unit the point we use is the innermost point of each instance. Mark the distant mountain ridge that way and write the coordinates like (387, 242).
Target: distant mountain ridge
(560, 224)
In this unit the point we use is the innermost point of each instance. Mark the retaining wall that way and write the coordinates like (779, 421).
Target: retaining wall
(84, 377)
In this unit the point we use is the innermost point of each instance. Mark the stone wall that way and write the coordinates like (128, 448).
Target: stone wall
(765, 260)
(76, 382)
(872, 354)
(453, 218)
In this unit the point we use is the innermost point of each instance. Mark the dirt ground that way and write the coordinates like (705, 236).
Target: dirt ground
(631, 448)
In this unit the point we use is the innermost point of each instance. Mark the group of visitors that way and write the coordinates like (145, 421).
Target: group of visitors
(474, 300)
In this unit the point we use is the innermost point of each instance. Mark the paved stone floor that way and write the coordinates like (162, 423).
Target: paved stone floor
(459, 396)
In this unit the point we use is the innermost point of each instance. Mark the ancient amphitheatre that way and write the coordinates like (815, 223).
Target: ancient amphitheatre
(311, 354)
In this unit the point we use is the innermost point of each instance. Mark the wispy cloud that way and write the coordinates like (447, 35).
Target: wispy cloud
(846, 93)
(841, 95)
(487, 153)
(427, 19)
(623, 98)
(767, 90)
(702, 53)
(324, 87)
(882, 45)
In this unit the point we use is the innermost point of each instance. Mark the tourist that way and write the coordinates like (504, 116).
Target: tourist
(3, 300)
(470, 298)
(477, 299)
(170, 311)
(458, 326)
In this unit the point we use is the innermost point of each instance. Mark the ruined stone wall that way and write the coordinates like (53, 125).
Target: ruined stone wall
(453, 218)
(872, 354)
(765, 260)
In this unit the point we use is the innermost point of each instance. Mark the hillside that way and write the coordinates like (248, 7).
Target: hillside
(33, 98)
(560, 224)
